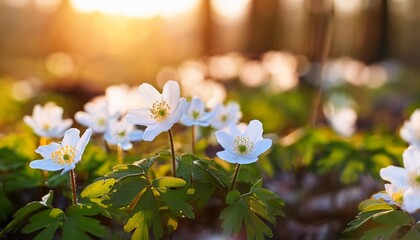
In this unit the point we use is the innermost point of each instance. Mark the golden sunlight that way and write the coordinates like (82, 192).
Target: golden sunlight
(136, 8)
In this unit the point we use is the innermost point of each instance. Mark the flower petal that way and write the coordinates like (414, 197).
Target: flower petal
(260, 147)
(136, 135)
(84, 118)
(46, 164)
(68, 168)
(126, 145)
(71, 137)
(225, 140)
(153, 130)
(411, 201)
(46, 150)
(171, 93)
(395, 175)
(64, 125)
(246, 159)
(234, 130)
(140, 117)
(228, 157)
(254, 130)
(411, 158)
(149, 94)
(81, 145)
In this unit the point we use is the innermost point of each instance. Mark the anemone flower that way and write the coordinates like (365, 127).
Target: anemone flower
(226, 115)
(95, 116)
(47, 121)
(410, 131)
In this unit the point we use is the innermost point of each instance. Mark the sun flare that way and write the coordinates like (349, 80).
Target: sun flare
(136, 8)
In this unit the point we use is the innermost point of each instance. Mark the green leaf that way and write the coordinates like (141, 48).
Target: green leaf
(125, 190)
(5, 205)
(49, 220)
(78, 223)
(98, 188)
(122, 171)
(145, 216)
(210, 172)
(374, 204)
(175, 199)
(233, 196)
(168, 182)
(20, 217)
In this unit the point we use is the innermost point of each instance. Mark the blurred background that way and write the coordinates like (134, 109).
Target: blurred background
(289, 63)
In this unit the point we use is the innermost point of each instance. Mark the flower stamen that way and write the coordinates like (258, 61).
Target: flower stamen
(242, 145)
(64, 155)
(160, 110)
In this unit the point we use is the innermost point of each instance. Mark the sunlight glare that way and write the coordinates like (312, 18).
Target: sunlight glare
(136, 8)
(233, 10)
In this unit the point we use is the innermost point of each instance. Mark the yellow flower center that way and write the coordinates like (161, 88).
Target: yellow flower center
(414, 178)
(101, 121)
(121, 134)
(160, 110)
(224, 118)
(398, 197)
(242, 145)
(64, 155)
(195, 114)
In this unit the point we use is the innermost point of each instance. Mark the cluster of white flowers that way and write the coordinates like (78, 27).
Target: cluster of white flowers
(403, 188)
(115, 116)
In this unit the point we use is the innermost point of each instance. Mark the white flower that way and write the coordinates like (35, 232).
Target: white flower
(342, 119)
(242, 147)
(161, 111)
(122, 133)
(407, 179)
(226, 115)
(393, 195)
(96, 115)
(410, 131)
(196, 114)
(63, 155)
(47, 121)
(122, 98)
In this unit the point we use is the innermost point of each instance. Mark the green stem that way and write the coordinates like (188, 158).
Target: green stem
(73, 187)
(193, 139)
(171, 143)
(235, 176)
(120, 153)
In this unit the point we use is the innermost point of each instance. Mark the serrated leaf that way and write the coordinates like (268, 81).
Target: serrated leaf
(168, 182)
(145, 216)
(125, 190)
(175, 199)
(98, 188)
(207, 171)
(233, 196)
(374, 204)
(126, 170)
(20, 216)
(77, 220)
(49, 220)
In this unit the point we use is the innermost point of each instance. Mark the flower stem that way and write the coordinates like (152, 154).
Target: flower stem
(235, 176)
(73, 187)
(120, 153)
(42, 142)
(193, 139)
(171, 143)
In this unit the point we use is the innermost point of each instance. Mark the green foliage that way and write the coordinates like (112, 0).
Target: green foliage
(379, 220)
(251, 210)
(76, 222)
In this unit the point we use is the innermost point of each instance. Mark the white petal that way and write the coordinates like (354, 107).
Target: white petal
(225, 140)
(71, 137)
(234, 130)
(171, 93)
(187, 120)
(64, 125)
(411, 201)
(152, 131)
(46, 150)
(228, 157)
(126, 145)
(84, 118)
(46, 164)
(149, 94)
(108, 137)
(196, 104)
(81, 145)
(395, 175)
(384, 196)
(136, 135)
(411, 158)
(176, 115)
(254, 130)
(68, 168)
(140, 117)
(260, 147)
(246, 159)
